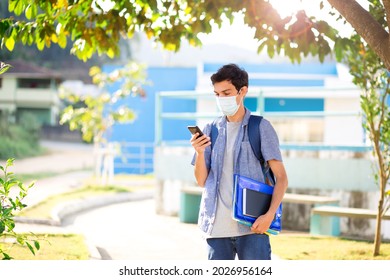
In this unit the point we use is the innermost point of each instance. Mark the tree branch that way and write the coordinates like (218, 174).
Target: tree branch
(366, 26)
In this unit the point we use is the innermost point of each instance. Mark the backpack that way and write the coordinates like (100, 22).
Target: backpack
(254, 140)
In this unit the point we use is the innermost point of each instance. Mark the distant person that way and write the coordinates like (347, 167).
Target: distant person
(232, 154)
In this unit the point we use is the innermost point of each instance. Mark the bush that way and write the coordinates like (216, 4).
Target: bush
(31, 128)
(11, 202)
(9, 148)
(19, 140)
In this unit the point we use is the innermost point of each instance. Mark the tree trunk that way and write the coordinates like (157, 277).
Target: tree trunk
(382, 186)
(378, 229)
(366, 26)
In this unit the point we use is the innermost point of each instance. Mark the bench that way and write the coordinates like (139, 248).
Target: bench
(310, 199)
(190, 200)
(322, 220)
(189, 204)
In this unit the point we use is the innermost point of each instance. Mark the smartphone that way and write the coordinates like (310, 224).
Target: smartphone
(194, 129)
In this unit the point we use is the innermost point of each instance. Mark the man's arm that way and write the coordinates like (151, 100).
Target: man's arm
(200, 169)
(263, 222)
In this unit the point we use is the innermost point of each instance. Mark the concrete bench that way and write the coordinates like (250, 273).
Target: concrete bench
(322, 220)
(310, 199)
(189, 204)
(190, 200)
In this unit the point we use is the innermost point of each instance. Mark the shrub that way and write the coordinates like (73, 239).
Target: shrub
(10, 202)
(19, 140)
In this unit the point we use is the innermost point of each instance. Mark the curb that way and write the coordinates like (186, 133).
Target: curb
(61, 211)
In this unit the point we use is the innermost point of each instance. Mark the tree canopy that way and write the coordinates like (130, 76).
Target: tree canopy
(96, 26)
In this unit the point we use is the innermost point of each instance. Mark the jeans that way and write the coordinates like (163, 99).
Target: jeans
(247, 247)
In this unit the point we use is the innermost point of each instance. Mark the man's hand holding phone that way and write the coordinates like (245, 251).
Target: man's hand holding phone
(198, 140)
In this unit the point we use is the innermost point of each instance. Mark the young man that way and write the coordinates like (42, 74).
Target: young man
(232, 154)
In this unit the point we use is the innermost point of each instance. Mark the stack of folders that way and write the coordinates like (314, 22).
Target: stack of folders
(251, 200)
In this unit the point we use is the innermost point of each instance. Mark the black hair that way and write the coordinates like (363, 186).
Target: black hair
(231, 72)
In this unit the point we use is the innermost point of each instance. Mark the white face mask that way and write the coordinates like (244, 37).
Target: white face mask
(228, 105)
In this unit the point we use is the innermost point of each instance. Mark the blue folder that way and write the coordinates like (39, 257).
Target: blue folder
(252, 199)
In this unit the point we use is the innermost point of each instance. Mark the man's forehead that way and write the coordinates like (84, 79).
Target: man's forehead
(224, 85)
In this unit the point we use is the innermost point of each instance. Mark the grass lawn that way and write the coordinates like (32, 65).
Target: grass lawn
(52, 247)
(288, 247)
(305, 247)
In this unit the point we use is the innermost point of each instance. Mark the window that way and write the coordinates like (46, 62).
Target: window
(34, 83)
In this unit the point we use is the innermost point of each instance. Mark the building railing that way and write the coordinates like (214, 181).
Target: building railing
(260, 95)
(135, 156)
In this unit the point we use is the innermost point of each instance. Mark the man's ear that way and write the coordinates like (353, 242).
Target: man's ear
(244, 90)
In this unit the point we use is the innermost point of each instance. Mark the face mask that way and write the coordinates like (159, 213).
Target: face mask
(228, 105)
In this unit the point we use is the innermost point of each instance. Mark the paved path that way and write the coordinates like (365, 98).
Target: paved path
(137, 233)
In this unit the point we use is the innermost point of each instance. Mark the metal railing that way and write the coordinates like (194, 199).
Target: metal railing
(259, 96)
(135, 156)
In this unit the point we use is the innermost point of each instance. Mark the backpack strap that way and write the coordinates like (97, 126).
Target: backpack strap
(254, 136)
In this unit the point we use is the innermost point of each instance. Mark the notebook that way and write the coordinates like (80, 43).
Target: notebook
(254, 203)
(252, 199)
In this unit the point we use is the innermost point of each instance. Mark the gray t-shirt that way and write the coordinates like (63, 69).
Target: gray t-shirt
(224, 225)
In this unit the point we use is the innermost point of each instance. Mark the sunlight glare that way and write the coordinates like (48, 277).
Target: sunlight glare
(289, 7)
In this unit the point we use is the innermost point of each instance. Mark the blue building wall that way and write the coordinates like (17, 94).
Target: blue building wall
(285, 104)
(142, 130)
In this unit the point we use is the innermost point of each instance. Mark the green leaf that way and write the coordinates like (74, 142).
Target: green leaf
(261, 47)
(110, 53)
(338, 48)
(270, 50)
(31, 248)
(10, 224)
(12, 5)
(62, 41)
(19, 7)
(10, 43)
(6, 256)
(7, 211)
(31, 11)
(20, 239)
(2, 227)
(28, 12)
(10, 162)
(37, 245)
